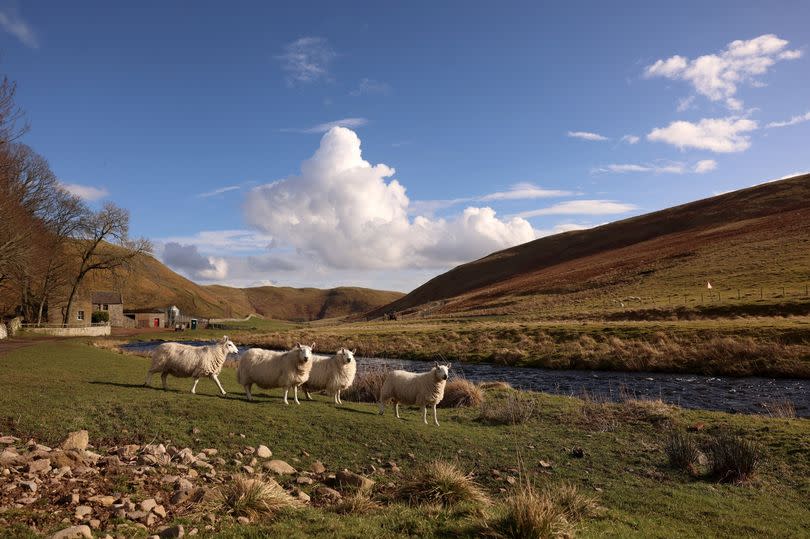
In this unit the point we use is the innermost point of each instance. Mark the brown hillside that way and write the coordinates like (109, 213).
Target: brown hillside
(748, 239)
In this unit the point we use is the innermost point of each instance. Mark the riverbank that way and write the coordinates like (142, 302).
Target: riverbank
(613, 453)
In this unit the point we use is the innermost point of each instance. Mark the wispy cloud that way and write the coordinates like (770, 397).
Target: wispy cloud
(518, 191)
(351, 123)
(676, 167)
(587, 135)
(87, 192)
(307, 60)
(793, 121)
(581, 207)
(371, 86)
(219, 191)
(630, 139)
(11, 22)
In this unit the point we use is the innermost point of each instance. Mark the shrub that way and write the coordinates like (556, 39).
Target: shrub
(442, 483)
(100, 316)
(733, 459)
(461, 393)
(252, 498)
(516, 408)
(367, 385)
(682, 451)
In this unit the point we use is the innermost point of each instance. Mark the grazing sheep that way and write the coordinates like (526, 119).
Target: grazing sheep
(421, 389)
(333, 374)
(184, 360)
(268, 369)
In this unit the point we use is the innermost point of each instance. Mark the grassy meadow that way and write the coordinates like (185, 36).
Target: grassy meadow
(58, 387)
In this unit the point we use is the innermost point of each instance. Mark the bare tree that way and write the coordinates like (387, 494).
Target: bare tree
(103, 244)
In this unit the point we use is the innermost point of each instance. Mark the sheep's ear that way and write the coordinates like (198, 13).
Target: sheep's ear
(312, 346)
(448, 366)
(353, 351)
(224, 338)
(297, 345)
(436, 363)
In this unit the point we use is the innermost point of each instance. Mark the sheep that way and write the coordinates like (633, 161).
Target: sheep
(333, 374)
(184, 360)
(268, 369)
(421, 389)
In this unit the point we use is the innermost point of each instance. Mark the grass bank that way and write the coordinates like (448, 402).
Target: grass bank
(615, 453)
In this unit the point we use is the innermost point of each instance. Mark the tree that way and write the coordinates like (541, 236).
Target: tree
(103, 243)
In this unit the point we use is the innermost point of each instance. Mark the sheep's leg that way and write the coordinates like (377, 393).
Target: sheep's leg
(247, 392)
(435, 419)
(295, 394)
(338, 397)
(163, 377)
(215, 378)
(148, 380)
(396, 409)
(382, 407)
(194, 387)
(424, 414)
(309, 397)
(286, 392)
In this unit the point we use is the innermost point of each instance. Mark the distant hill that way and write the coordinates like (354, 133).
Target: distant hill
(749, 242)
(150, 283)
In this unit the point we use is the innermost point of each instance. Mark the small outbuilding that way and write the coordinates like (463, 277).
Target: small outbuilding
(145, 318)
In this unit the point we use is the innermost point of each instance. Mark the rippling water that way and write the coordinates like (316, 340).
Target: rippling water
(723, 393)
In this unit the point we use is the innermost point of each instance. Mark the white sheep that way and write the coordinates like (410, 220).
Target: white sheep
(268, 369)
(184, 360)
(334, 374)
(420, 389)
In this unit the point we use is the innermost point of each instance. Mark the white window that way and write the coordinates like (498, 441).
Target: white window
(80, 315)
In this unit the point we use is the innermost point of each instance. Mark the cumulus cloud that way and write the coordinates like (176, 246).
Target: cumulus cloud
(793, 121)
(307, 60)
(12, 23)
(371, 86)
(582, 207)
(188, 259)
(87, 192)
(718, 76)
(587, 135)
(720, 135)
(700, 167)
(344, 212)
(351, 123)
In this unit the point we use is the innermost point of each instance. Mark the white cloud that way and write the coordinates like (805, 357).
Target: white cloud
(704, 166)
(586, 135)
(371, 86)
(12, 23)
(685, 103)
(219, 191)
(630, 139)
(187, 259)
(224, 242)
(343, 212)
(582, 207)
(718, 76)
(351, 123)
(87, 192)
(793, 121)
(307, 60)
(518, 191)
(721, 135)
(560, 228)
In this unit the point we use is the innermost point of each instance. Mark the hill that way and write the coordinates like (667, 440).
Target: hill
(149, 283)
(753, 245)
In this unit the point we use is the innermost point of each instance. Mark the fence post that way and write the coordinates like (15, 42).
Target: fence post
(738, 293)
(701, 297)
(760, 293)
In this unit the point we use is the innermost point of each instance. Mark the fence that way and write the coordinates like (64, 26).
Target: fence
(715, 296)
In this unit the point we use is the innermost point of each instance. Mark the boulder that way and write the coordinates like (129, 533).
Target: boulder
(279, 467)
(77, 440)
(263, 452)
(74, 532)
(351, 479)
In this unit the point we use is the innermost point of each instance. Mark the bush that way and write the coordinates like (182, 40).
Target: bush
(516, 408)
(461, 393)
(682, 451)
(442, 483)
(733, 459)
(100, 316)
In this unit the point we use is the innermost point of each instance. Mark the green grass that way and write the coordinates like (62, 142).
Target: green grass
(56, 387)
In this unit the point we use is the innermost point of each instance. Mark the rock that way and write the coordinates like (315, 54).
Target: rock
(129, 451)
(511, 480)
(279, 467)
(111, 461)
(148, 504)
(263, 452)
(9, 457)
(39, 466)
(83, 511)
(74, 532)
(77, 440)
(179, 497)
(31, 485)
(327, 494)
(8, 439)
(351, 479)
(577, 452)
(151, 519)
(172, 531)
(243, 520)
(248, 470)
(210, 451)
(317, 467)
(95, 523)
(183, 484)
(136, 515)
(303, 480)
(545, 464)
(160, 511)
(104, 501)
(72, 458)
(301, 495)
(248, 450)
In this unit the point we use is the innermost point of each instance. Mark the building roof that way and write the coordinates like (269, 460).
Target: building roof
(145, 311)
(113, 298)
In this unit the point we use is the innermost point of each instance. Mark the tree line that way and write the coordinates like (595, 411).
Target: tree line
(50, 239)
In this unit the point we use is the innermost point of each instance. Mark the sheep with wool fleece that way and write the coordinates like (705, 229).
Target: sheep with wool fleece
(333, 374)
(185, 360)
(420, 389)
(268, 369)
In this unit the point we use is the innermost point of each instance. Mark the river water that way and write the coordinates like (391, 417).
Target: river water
(722, 393)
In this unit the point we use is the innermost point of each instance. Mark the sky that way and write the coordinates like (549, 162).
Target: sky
(379, 144)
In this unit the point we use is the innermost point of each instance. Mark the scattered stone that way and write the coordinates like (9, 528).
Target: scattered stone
(279, 467)
(151, 519)
(317, 467)
(136, 515)
(248, 470)
(243, 520)
(263, 452)
(301, 495)
(74, 532)
(173, 531)
(95, 523)
(327, 494)
(303, 480)
(148, 504)
(160, 511)
(511, 480)
(210, 451)
(348, 478)
(77, 440)
(183, 484)
(31, 485)
(83, 511)
(39, 466)
(8, 439)
(545, 464)
(129, 451)
(104, 501)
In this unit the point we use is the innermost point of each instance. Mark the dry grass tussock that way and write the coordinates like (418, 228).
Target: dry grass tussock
(683, 452)
(781, 408)
(514, 408)
(733, 459)
(460, 393)
(443, 484)
(367, 385)
(255, 499)
(356, 503)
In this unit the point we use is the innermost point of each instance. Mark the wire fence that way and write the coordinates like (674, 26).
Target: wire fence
(714, 296)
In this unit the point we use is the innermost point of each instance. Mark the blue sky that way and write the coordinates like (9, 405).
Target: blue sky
(502, 121)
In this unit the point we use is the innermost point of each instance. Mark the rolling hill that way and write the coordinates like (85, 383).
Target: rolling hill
(752, 244)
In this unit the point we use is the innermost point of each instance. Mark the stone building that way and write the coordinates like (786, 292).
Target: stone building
(112, 303)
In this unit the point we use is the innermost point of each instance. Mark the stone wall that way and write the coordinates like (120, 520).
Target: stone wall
(86, 331)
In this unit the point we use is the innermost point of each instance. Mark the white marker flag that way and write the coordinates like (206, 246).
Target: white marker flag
(708, 285)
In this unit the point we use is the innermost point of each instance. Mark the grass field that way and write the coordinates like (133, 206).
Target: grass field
(57, 387)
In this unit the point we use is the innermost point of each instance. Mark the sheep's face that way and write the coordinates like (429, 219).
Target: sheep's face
(304, 353)
(230, 348)
(345, 356)
(441, 372)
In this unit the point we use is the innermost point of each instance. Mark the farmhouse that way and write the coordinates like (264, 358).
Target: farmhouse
(145, 318)
(112, 303)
